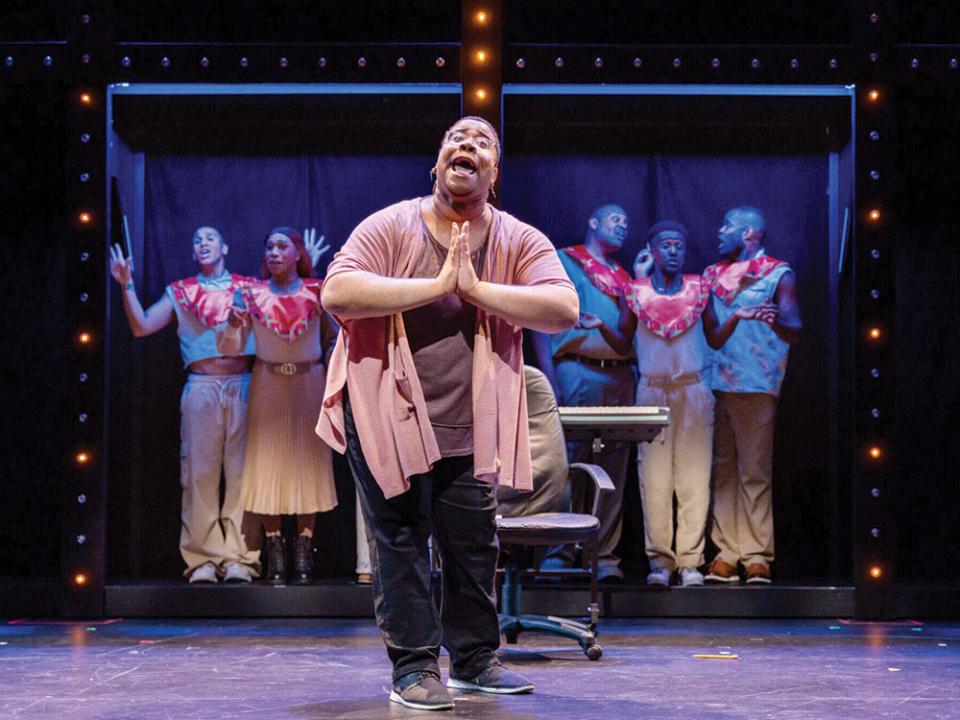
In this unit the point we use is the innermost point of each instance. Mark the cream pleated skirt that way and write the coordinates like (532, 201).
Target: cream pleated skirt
(287, 470)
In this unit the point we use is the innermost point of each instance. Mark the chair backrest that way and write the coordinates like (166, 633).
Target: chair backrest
(548, 452)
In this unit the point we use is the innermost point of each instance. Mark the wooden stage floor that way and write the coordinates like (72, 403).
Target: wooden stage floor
(305, 669)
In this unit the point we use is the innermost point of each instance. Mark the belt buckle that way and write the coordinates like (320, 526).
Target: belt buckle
(287, 368)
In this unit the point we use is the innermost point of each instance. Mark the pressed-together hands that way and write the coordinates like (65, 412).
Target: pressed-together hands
(457, 273)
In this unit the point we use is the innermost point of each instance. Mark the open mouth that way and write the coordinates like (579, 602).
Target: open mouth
(464, 165)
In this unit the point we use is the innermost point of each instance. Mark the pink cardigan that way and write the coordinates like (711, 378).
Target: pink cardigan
(373, 359)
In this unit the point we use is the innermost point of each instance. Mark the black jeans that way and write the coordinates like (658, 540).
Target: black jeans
(460, 512)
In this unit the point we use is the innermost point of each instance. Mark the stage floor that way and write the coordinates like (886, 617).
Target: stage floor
(312, 669)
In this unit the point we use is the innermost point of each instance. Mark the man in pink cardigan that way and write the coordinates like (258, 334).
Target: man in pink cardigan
(425, 395)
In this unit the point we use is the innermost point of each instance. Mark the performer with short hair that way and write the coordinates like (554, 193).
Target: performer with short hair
(213, 406)
(426, 397)
(751, 321)
(287, 469)
(661, 315)
(585, 370)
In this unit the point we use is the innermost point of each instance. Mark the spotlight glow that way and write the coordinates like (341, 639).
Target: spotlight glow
(480, 94)
(83, 457)
(874, 333)
(481, 56)
(80, 579)
(84, 338)
(874, 215)
(86, 99)
(873, 95)
(481, 17)
(875, 452)
(876, 572)
(85, 217)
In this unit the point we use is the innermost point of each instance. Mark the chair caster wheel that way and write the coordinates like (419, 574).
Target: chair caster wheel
(594, 652)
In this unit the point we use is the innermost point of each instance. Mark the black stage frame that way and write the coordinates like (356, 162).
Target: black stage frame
(77, 65)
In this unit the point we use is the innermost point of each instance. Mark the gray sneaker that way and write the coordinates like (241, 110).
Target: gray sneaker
(421, 691)
(206, 573)
(495, 679)
(690, 577)
(660, 577)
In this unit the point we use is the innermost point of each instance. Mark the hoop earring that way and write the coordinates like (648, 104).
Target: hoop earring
(433, 175)
(493, 193)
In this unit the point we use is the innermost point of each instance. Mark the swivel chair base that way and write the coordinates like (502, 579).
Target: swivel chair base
(512, 623)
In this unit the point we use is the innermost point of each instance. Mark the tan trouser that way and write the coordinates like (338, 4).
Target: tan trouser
(676, 462)
(213, 432)
(742, 518)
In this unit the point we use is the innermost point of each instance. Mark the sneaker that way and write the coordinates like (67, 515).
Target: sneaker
(758, 574)
(608, 572)
(722, 572)
(690, 577)
(206, 573)
(236, 573)
(553, 563)
(495, 679)
(421, 691)
(659, 576)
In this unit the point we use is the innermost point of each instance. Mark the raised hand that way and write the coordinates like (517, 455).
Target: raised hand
(238, 317)
(643, 263)
(120, 268)
(314, 245)
(451, 264)
(588, 321)
(764, 313)
(466, 274)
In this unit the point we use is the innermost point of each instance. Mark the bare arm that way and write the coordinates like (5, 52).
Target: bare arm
(545, 308)
(232, 335)
(783, 316)
(788, 324)
(142, 322)
(358, 294)
(620, 337)
(544, 353)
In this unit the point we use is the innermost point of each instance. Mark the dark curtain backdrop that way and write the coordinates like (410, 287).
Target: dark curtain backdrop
(558, 193)
(243, 197)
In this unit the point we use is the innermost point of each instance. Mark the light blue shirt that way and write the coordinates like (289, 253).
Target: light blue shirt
(754, 358)
(589, 343)
(197, 341)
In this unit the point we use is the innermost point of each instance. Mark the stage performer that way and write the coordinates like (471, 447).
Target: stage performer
(287, 469)
(751, 321)
(426, 397)
(585, 370)
(213, 407)
(661, 315)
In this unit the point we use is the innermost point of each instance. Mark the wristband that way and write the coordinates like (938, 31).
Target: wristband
(128, 285)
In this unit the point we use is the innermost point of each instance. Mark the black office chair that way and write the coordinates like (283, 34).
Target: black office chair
(528, 520)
